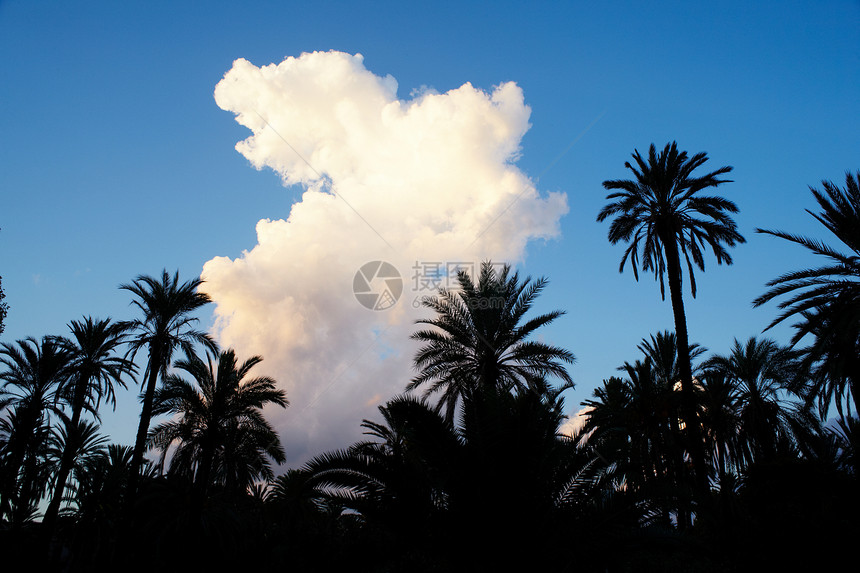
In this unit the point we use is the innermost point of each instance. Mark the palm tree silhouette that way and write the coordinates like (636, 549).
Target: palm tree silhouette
(398, 480)
(395, 477)
(86, 444)
(661, 214)
(446, 491)
(95, 369)
(719, 401)
(826, 299)
(33, 372)
(661, 352)
(632, 423)
(98, 492)
(166, 325)
(220, 431)
(518, 475)
(477, 341)
(100, 481)
(762, 372)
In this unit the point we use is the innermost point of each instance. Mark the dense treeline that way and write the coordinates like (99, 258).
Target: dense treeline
(681, 460)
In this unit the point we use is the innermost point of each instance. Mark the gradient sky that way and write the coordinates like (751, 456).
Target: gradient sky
(116, 161)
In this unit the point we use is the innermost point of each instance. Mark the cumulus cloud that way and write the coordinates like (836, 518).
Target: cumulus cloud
(431, 179)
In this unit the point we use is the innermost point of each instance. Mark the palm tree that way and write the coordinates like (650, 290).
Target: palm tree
(832, 359)
(444, 492)
(621, 426)
(221, 433)
(101, 481)
(26, 486)
(166, 325)
(763, 372)
(518, 476)
(477, 341)
(826, 299)
(397, 482)
(662, 350)
(98, 490)
(720, 402)
(633, 423)
(95, 369)
(32, 373)
(398, 476)
(87, 446)
(661, 214)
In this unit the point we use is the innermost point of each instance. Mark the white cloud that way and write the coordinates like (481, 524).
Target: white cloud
(574, 424)
(424, 179)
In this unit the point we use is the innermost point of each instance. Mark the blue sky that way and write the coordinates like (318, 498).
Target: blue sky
(116, 160)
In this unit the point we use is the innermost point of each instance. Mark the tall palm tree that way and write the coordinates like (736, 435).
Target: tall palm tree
(221, 434)
(662, 215)
(166, 324)
(32, 373)
(477, 340)
(826, 299)
(95, 370)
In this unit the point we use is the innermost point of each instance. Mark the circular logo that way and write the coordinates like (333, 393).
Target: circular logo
(377, 285)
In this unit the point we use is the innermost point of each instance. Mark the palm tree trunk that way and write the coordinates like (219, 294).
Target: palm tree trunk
(63, 475)
(676, 454)
(68, 458)
(143, 427)
(205, 470)
(688, 403)
(27, 496)
(201, 481)
(721, 457)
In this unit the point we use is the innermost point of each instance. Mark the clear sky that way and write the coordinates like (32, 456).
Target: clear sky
(116, 160)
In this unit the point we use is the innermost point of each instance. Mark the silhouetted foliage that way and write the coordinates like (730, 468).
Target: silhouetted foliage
(477, 340)
(94, 369)
(761, 374)
(635, 423)
(32, 374)
(220, 434)
(826, 299)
